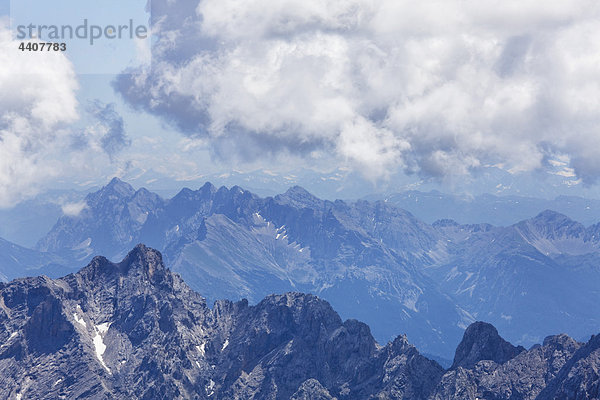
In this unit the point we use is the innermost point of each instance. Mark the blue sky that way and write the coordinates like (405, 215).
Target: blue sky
(458, 95)
(104, 56)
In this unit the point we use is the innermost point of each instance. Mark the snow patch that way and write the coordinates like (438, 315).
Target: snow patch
(411, 304)
(141, 219)
(469, 290)
(201, 349)
(210, 388)
(259, 218)
(99, 345)
(12, 335)
(103, 328)
(79, 320)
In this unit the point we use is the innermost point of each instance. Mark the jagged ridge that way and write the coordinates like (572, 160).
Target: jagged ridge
(135, 330)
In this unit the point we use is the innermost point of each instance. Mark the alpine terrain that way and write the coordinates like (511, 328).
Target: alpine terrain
(135, 330)
(371, 260)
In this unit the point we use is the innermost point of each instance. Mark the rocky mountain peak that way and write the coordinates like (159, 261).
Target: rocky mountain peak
(105, 333)
(560, 341)
(481, 341)
(554, 223)
(119, 187)
(551, 216)
(145, 258)
(297, 196)
(208, 188)
(141, 261)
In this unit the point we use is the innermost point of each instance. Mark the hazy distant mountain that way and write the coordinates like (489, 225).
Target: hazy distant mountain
(370, 260)
(108, 223)
(232, 243)
(486, 208)
(17, 262)
(524, 278)
(28, 221)
(341, 183)
(134, 330)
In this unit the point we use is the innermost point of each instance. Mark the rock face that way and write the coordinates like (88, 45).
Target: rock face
(108, 223)
(481, 341)
(429, 281)
(529, 375)
(135, 330)
(230, 243)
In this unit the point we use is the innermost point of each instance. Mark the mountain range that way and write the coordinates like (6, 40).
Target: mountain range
(134, 329)
(231, 243)
(371, 260)
(488, 208)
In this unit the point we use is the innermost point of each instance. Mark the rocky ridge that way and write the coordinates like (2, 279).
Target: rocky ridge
(135, 330)
(430, 281)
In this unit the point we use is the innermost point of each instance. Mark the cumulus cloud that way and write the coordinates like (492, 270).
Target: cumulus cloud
(42, 134)
(435, 88)
(38, 101)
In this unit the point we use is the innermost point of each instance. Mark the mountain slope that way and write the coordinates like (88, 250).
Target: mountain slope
(108, 224)
(17, 261)
(135, 330)
(370, 260)
(231, 243)
(528, 279)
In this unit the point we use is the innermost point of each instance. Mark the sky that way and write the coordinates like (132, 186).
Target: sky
(461, 95)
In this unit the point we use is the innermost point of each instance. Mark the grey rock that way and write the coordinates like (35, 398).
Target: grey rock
(525, 376)
(108, 224)
(135, 330)
(311, 389)
(230, 243)
(429, 281)
(481, 341)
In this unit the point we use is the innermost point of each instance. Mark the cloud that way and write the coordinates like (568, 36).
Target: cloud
(433, 88)
(42, 135)
(107, 133)
(73, 209)
(37, 104)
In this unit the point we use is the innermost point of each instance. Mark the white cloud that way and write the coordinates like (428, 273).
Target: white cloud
(73, 209)
(438, 88)
(38, 100)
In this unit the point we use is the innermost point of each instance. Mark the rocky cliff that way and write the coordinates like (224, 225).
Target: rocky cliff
(135, 330)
